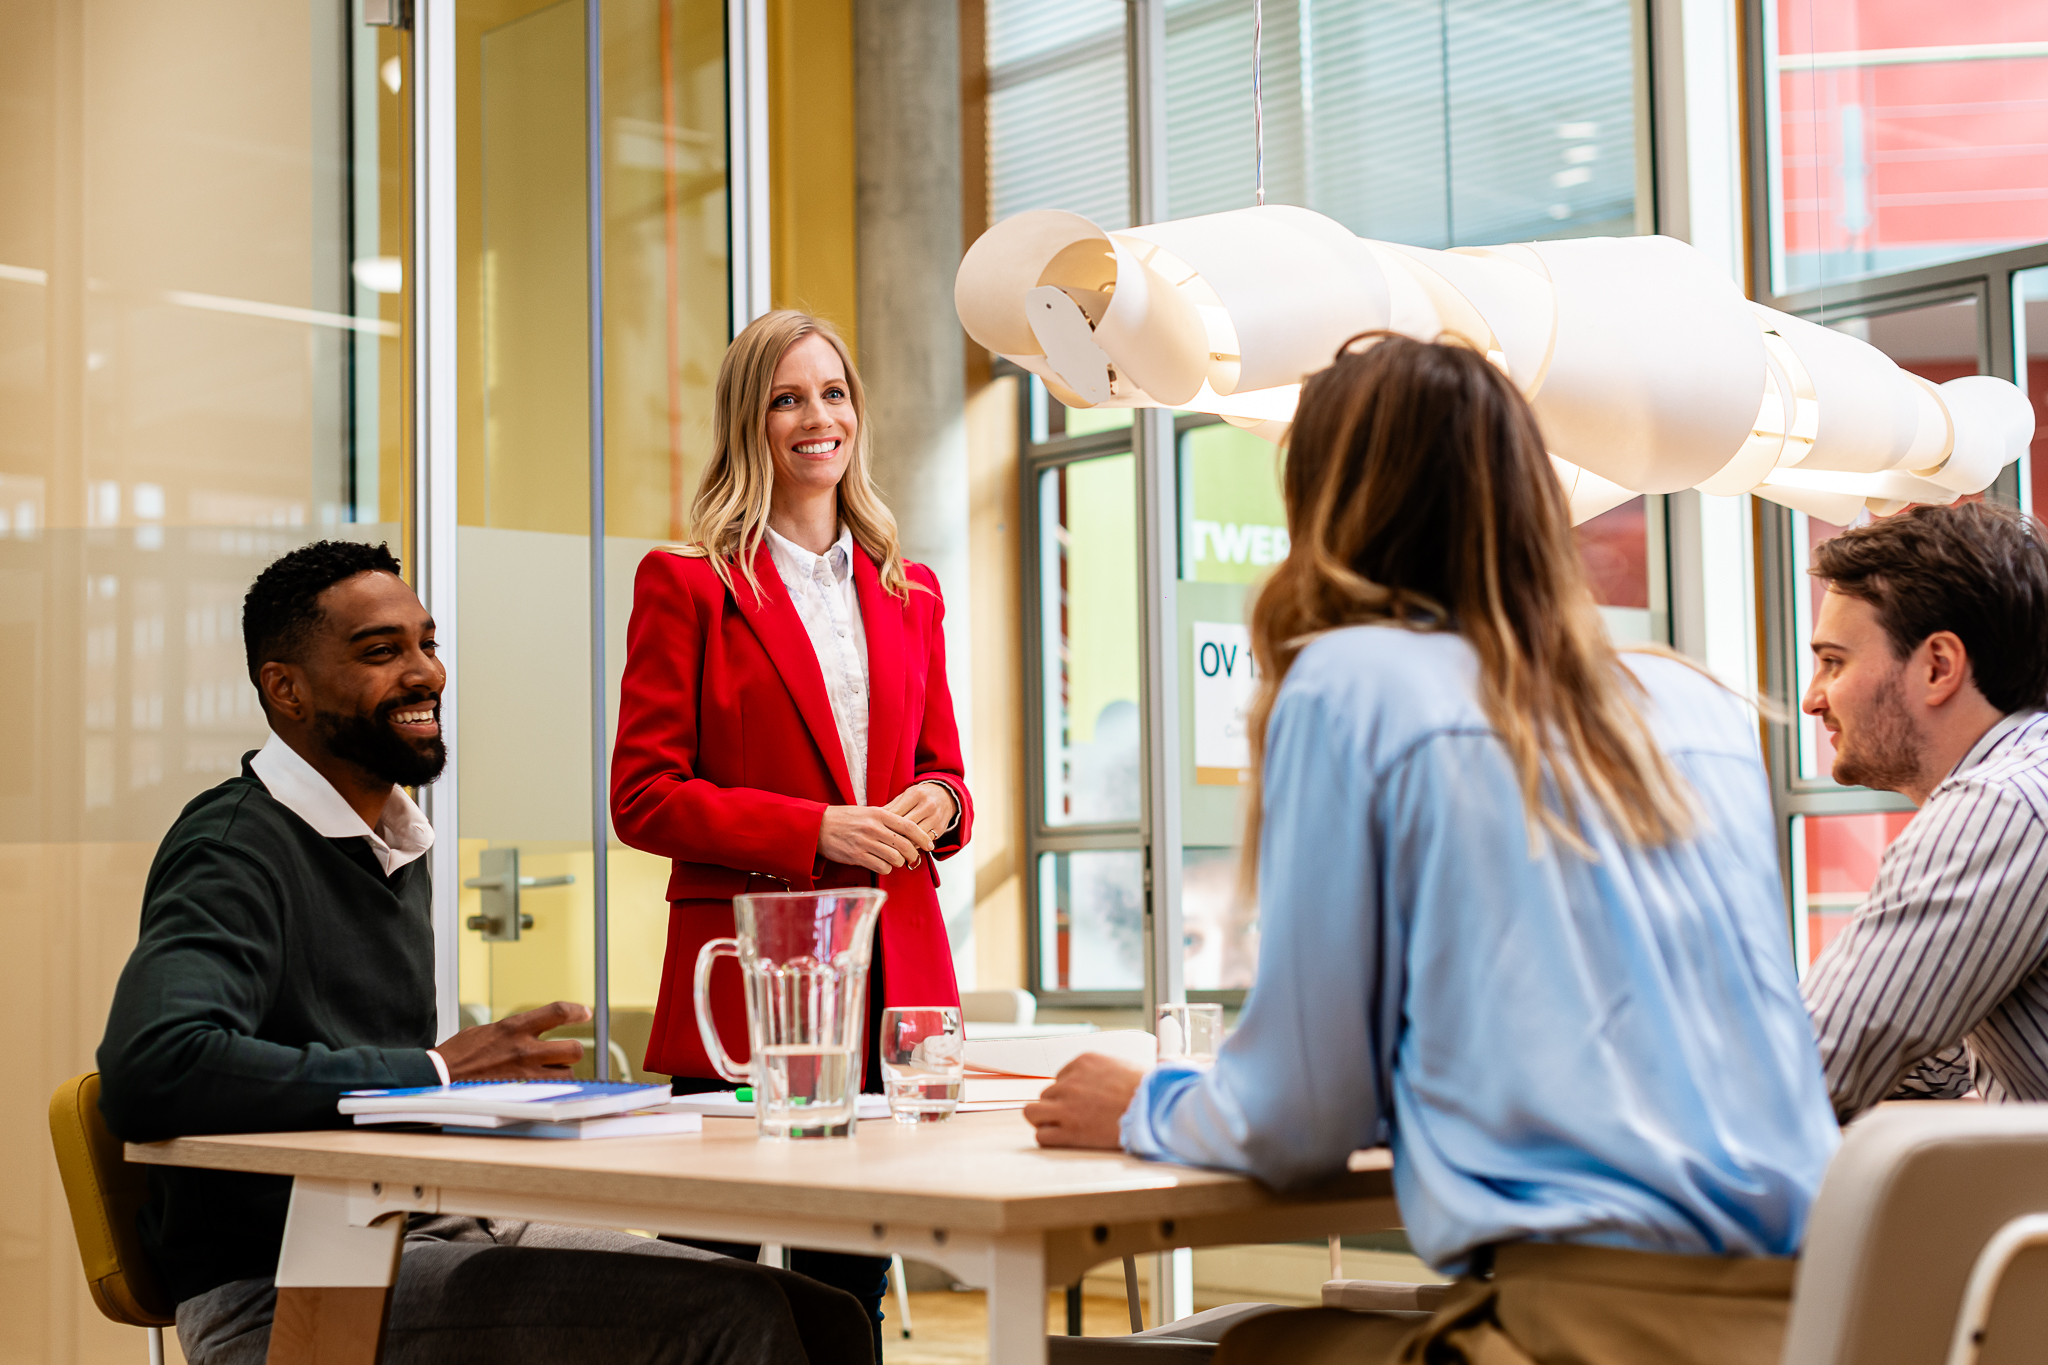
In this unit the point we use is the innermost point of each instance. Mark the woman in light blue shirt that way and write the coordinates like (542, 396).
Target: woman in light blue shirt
(1520, 911)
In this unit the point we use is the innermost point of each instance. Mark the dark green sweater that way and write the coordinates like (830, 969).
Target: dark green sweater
(276, 969)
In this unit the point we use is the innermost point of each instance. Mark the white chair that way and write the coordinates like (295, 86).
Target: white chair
(998, 1007)
(1924, 1201)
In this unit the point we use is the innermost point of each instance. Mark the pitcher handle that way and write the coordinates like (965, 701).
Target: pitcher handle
(706, 1025)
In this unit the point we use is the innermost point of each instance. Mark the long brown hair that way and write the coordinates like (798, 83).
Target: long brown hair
(1419, 494)
(729, 519)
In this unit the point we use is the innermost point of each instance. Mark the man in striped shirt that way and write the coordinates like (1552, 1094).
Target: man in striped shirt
(1931, 669)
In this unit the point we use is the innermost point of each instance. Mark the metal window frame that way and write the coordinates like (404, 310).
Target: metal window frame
(1040, 835)
(1989, 280)
(435, 329)
(1153, 439)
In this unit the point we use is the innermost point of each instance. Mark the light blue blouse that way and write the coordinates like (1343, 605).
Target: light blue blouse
(1608, 1053)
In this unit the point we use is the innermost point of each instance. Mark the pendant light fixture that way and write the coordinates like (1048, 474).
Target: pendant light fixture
(1648, 370)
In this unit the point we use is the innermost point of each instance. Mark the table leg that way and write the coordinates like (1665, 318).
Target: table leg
(334, 1279)
(1016, 1301)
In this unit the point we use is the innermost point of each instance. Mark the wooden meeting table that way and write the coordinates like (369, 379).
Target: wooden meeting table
(975, 1196)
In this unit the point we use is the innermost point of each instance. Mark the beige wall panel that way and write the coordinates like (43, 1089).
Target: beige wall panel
(997, 622)
(666, 282)
(811, 160)
(68, 912)
(173, 180)
(534, 319)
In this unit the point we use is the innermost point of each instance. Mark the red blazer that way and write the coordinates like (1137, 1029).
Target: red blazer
(727, 755)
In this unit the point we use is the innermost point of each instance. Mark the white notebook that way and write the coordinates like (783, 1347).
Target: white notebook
(489, 1104)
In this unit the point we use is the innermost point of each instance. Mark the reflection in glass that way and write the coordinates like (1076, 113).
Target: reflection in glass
(1091, 920)
(1433, 124)
(1615, 549)
(1623, 553)
(1088, 612)
(193, 381)
(1052, 420)
(182, 399)
(1233, 523)
(1219, 926)
(1895, 140)
(1836, 859)
(1056, 109)
(1938, 342)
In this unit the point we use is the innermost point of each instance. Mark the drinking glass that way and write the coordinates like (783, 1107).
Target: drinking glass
(923, 1055)
(1189, 1034)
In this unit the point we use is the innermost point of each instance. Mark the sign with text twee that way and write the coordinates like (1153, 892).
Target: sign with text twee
(1224, 677)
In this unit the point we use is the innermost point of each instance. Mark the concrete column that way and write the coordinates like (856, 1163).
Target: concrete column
(912, 353)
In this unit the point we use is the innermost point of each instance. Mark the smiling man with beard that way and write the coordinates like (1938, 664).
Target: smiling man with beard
(287, 954)
(1930, 671)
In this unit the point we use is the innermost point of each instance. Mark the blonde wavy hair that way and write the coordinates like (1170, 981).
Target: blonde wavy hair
(1419, 494)
(729, 519)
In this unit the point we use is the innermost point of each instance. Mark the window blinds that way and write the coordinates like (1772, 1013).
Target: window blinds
(1434, 122)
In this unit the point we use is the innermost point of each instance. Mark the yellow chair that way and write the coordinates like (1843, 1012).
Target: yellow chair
(105, 1192)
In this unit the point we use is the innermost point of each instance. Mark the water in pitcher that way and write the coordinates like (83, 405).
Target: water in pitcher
(806, 1087)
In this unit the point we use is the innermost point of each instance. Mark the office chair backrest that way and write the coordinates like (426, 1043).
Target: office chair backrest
(1005, 1006)
(105, 1192)
(1909, 1202)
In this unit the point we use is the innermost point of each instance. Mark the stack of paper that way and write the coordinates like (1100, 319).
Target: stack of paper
(1045, 1056)
(543, 1109)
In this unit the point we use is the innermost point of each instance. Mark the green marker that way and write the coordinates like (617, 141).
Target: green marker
(745, 1094)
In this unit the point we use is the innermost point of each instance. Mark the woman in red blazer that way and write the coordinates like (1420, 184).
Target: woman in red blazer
(775, 742)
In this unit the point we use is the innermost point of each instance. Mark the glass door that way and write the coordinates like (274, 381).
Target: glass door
(531, 909)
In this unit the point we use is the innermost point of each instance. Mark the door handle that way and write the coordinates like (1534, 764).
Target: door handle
(500, 882)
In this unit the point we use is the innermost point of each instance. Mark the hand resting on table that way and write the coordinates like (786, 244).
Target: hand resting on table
(512, 1049)
(1084, 1106)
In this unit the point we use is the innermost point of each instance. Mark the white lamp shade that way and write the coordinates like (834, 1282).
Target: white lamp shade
(1868, 409)
(1646, 368)
(1295, 286)
(1994, 425)
(1655, 373)
(1003, 265)
(1588, 493)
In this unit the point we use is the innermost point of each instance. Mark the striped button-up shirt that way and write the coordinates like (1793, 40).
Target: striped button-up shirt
(1941, 980)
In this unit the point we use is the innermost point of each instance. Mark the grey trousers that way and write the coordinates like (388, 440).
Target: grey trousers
(476, 1291)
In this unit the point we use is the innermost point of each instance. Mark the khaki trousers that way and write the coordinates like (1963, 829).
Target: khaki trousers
(1553, 1305)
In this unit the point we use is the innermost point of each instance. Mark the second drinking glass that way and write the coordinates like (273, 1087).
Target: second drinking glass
(923, 1055)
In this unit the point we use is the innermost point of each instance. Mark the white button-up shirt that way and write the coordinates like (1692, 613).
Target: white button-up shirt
(401, 834)
(822, 588)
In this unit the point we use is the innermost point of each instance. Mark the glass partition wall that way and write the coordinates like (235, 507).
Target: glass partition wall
(1902, 204)
(1432, 125)
(526, 459)
(206, 343)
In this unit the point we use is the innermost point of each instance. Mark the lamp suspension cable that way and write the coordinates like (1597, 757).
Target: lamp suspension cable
(1258, 100)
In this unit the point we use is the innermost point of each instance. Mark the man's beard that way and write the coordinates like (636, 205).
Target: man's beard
(371, 744)
(1885, 753)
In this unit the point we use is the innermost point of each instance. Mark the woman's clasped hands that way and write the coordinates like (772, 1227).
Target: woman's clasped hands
(884, 838)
